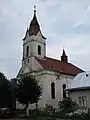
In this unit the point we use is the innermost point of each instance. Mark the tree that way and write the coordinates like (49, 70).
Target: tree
(67, 106)
(28, 90)
(5, 92)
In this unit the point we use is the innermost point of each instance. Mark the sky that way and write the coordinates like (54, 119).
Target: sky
(65, 24)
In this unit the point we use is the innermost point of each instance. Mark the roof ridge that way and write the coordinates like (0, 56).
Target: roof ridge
(77, 67)
(53, 59)
(40, 58)
(46, 58)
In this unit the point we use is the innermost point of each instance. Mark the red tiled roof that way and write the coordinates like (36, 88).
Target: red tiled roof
(60, 66)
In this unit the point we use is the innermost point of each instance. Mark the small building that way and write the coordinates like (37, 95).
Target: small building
(79, 90)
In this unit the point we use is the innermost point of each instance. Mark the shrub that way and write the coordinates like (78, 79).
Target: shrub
(49, 109)
(78, 115)
(67, 106)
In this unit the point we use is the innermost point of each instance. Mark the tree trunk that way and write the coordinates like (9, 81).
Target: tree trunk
(36, 106)
(27, 110)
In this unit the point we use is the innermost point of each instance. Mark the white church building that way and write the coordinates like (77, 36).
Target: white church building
(55, 75)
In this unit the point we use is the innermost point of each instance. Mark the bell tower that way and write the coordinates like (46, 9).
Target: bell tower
(34, 43)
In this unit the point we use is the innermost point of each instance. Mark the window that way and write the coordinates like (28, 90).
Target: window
(64, 86)
(27, 51)
(53, 90)
(39, 50)
(86, 75)
(82, 100)
(64, 92)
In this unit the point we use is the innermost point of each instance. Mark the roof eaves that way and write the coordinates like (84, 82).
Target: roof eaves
(78, 89)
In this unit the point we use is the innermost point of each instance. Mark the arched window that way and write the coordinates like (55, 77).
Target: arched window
(53, 90)
(27, 51)
(64, 92)
(39, 50)
(64, 86)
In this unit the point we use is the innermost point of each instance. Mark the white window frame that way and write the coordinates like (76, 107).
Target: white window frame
(82, 101)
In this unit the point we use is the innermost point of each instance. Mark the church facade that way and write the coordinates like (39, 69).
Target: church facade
(55, 75)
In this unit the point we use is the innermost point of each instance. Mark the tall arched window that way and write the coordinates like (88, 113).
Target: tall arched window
(53, 90)
(27, 51)
(64, 92)
(64, 86)
(39, 50)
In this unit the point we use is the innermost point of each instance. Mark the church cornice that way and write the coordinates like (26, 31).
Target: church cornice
(32, 40)
(50, 72)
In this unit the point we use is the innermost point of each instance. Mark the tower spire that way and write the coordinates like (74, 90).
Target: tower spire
(64, 57)
(34, 27)
(64, 54)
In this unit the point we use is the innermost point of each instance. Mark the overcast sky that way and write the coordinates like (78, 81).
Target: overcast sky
(65, 24)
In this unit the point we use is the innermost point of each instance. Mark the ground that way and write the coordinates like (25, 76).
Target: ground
(32, 119)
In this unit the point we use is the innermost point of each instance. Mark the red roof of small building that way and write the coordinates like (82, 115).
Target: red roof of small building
(60, 66)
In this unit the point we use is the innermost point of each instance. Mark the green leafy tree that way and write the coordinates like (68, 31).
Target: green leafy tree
(28, 90)
(67, 106)
(5, 92)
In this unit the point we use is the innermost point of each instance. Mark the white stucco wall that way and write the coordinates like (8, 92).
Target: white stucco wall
(46, 77)
(33, 64)
(19, 106)
(33, 42)
(76, 94)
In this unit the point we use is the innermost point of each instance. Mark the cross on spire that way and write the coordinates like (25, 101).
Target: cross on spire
(34, 9)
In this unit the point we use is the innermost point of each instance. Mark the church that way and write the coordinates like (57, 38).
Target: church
(55, 75)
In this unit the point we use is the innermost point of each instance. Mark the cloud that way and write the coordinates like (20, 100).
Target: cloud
(76, 47)
(64, 23)
(87, 8)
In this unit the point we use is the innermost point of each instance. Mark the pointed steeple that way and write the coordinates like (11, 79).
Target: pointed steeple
(64, 57)
(34, 27)
(64, 54)
(34, 21)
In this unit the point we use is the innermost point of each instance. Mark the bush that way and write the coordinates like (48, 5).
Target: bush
(7, 114)
(78, 115)
(67, 106)
(34, 113)
(49, 109)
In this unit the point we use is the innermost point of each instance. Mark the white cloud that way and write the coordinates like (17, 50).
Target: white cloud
(76, 47)
(64, 23)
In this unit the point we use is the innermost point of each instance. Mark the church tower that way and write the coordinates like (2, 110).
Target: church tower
(34, 44)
